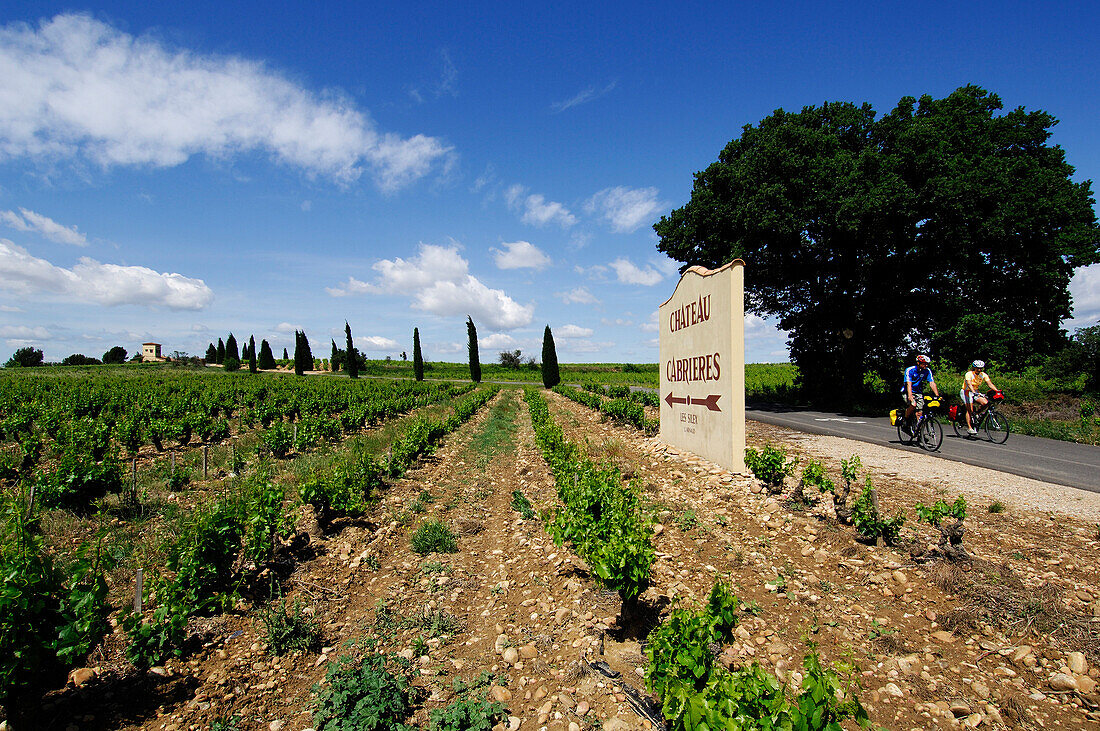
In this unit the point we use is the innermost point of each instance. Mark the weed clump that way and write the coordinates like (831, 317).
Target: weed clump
(364, 694)
(433, 536)
(289, 630)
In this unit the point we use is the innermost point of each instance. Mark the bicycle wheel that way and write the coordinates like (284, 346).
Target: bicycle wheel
(959, 424)
(931, 434)
(903, 436)
(996, 427)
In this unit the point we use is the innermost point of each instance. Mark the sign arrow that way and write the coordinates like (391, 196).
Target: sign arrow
(711, 402)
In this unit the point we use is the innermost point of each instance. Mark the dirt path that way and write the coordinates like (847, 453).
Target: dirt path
(938, 645)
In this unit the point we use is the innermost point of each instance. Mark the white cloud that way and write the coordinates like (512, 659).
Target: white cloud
(578, 296)
(520, 255)
(104, 284)
(651, 324)
(22, 332)
(77, 87)
(535, 210)
(582, 97)
(1085, 288)
(618, 321)
(574, 331)
(497, 340)
(30, 221)
(625, 209)
(10, 308)
(596, 272)
(438, 281)
(376, 343)
(630, 273)
(286, 327)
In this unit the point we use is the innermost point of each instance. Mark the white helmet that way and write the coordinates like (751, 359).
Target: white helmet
(922, 359)
(979, 364)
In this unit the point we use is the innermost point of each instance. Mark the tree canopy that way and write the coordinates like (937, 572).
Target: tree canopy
(116, 354)
(418, 358)
(471, 346)
(872, 238)
(551, 376)
(351, 354)
(27, 357)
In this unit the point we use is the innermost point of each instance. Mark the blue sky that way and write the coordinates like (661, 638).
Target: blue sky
(176, 173)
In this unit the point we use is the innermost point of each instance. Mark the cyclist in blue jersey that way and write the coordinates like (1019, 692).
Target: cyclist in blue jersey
(912, 392)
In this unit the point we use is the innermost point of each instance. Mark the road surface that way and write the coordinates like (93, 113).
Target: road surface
(1049, 460)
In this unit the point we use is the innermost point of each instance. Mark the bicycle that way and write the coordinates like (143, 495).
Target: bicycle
(926, 433)
(994, 423)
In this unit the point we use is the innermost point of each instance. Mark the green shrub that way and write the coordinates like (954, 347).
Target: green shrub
(770, 466)
(28, 609)
(433, 536)
(286, 631)
(364, 695)
(178, 479)
(471, 710)
(698, 692)
(522, 505)
(278, 439)
(869, 523)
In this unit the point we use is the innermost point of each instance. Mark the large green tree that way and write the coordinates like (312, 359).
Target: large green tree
(418, 358)
(27, 357)
(350, 353)
(265, 360)
(115, 355)
(475, 359)
(551, 376)
(871, 238)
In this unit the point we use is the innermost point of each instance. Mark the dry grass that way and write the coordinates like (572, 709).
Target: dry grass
(994, 595)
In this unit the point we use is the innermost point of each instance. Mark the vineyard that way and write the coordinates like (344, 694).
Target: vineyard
(189, 550)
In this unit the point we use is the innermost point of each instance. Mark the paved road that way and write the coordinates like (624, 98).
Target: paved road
(1049, 460)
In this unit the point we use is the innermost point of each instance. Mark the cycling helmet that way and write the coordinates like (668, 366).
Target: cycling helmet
(979, 364)
(922, 359)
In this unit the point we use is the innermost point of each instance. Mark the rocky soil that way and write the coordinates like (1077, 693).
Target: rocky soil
(1010, 639)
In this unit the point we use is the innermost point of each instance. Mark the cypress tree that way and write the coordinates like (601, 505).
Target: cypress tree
(252, 354)
(352, 354)
(418, 359)
(303, 356)
(211, 354)
(550, 375)
(231, 348)
(266, 360)
(298, 353)
(221, 352)
(334, 358)
(475, 360)
(285, 356)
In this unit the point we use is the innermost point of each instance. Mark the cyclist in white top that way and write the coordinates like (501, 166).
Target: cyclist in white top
(969, 394)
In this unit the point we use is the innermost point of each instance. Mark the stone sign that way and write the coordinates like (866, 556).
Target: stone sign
(702, 365)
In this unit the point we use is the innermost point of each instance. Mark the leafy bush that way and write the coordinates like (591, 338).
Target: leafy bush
(869, 522)
(286, 631)
(770, 466)
(698, 692)
(951, 534)
(265, 517)
(178, 479)
(46, 621)
(433, 536)
(600, 515)
(278, 439)
(364, 694)
(522, 505)
(471, 711)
